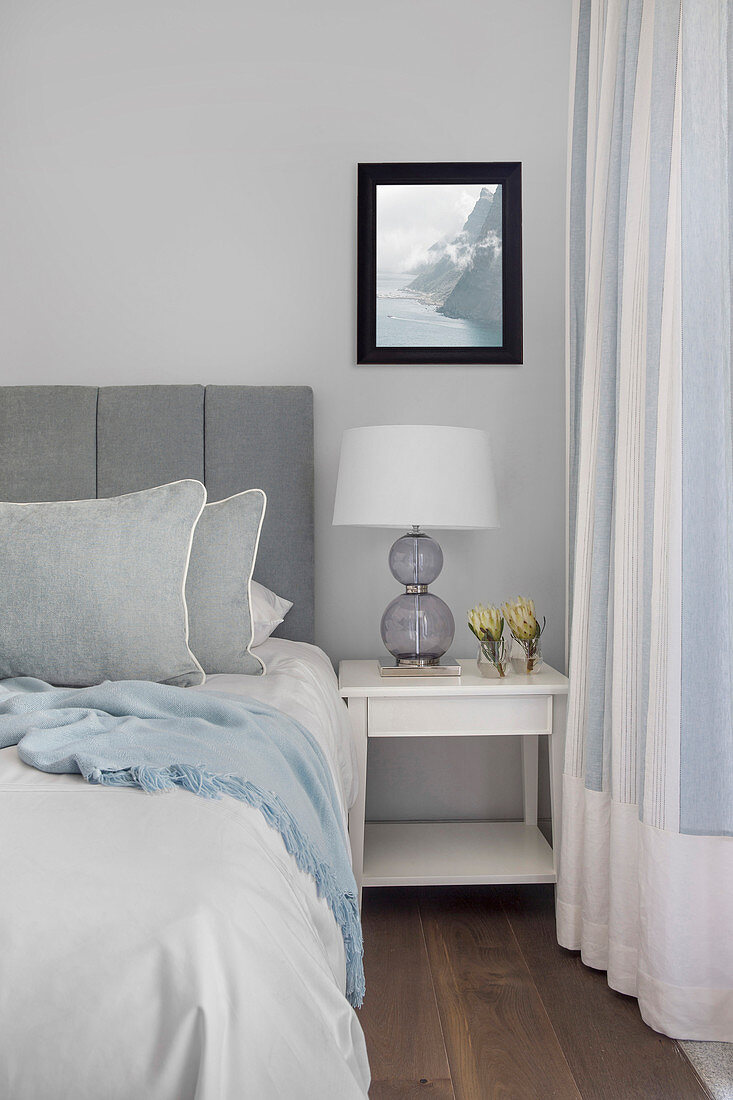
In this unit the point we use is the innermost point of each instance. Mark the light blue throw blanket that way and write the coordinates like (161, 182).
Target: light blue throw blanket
(136, 734)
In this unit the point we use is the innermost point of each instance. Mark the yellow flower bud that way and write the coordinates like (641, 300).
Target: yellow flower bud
(520, 615)
(486, 622)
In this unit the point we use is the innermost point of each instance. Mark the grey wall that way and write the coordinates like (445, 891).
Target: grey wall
(177, 204)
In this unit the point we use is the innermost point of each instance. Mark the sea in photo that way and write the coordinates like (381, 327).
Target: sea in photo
(407, 320)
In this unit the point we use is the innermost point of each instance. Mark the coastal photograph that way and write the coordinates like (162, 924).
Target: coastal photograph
(439, 265)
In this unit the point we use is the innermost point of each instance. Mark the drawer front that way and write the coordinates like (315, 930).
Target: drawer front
(445, 715)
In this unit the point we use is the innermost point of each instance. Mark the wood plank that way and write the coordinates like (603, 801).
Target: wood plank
(400, 1017)
(499, 1040)
(611, 1051)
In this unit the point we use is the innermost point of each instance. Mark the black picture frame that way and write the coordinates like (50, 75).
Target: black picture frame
(506, 173)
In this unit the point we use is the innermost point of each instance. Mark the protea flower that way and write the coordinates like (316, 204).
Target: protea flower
(520, 615)
(486, 622)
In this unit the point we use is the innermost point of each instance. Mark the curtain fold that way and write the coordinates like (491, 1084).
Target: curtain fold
(646, 869)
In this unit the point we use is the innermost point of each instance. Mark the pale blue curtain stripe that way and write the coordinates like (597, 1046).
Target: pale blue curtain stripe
(706, 765)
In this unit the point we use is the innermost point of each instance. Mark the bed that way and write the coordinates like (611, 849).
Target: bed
(170, 947)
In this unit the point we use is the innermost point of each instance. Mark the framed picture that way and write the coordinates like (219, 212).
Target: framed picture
(440, 263)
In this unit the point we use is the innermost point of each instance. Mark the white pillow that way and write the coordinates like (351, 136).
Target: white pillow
(268, 611)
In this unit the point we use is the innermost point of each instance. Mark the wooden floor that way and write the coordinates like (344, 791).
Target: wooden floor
(470, 998)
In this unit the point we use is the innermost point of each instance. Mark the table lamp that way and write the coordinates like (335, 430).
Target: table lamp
(415, 476)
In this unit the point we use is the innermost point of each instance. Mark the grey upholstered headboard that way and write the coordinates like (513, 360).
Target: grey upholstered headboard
(75, 442)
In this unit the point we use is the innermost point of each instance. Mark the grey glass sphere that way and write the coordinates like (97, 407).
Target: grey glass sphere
(415, 559)
(416, 625)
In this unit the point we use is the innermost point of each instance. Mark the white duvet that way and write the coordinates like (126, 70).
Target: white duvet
(167, 947)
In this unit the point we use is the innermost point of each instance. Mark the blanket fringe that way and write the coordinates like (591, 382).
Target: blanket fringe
(206, 784)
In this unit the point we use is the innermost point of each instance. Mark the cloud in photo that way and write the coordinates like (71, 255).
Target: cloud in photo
(412, 217)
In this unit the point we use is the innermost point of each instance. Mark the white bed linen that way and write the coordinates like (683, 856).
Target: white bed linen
(167, 948)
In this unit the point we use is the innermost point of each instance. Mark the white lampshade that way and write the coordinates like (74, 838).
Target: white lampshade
(399, 475)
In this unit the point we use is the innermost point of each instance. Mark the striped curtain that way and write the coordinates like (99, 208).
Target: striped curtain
(646, 868)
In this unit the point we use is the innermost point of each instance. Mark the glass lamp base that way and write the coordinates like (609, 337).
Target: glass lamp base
(417, 627)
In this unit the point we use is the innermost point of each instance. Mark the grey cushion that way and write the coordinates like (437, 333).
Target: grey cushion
(217, 588)
(93, 590)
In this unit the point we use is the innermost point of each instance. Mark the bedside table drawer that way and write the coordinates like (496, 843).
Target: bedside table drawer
(446, 715)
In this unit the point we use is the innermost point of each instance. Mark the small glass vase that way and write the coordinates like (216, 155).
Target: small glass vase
(527, 656)
(494, 659)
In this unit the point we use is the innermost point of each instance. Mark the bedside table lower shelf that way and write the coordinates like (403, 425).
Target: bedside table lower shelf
(453, 853)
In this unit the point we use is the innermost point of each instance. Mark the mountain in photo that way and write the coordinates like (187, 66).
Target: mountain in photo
(463, 276)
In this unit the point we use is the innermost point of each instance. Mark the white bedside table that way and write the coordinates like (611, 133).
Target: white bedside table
(456, 852)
